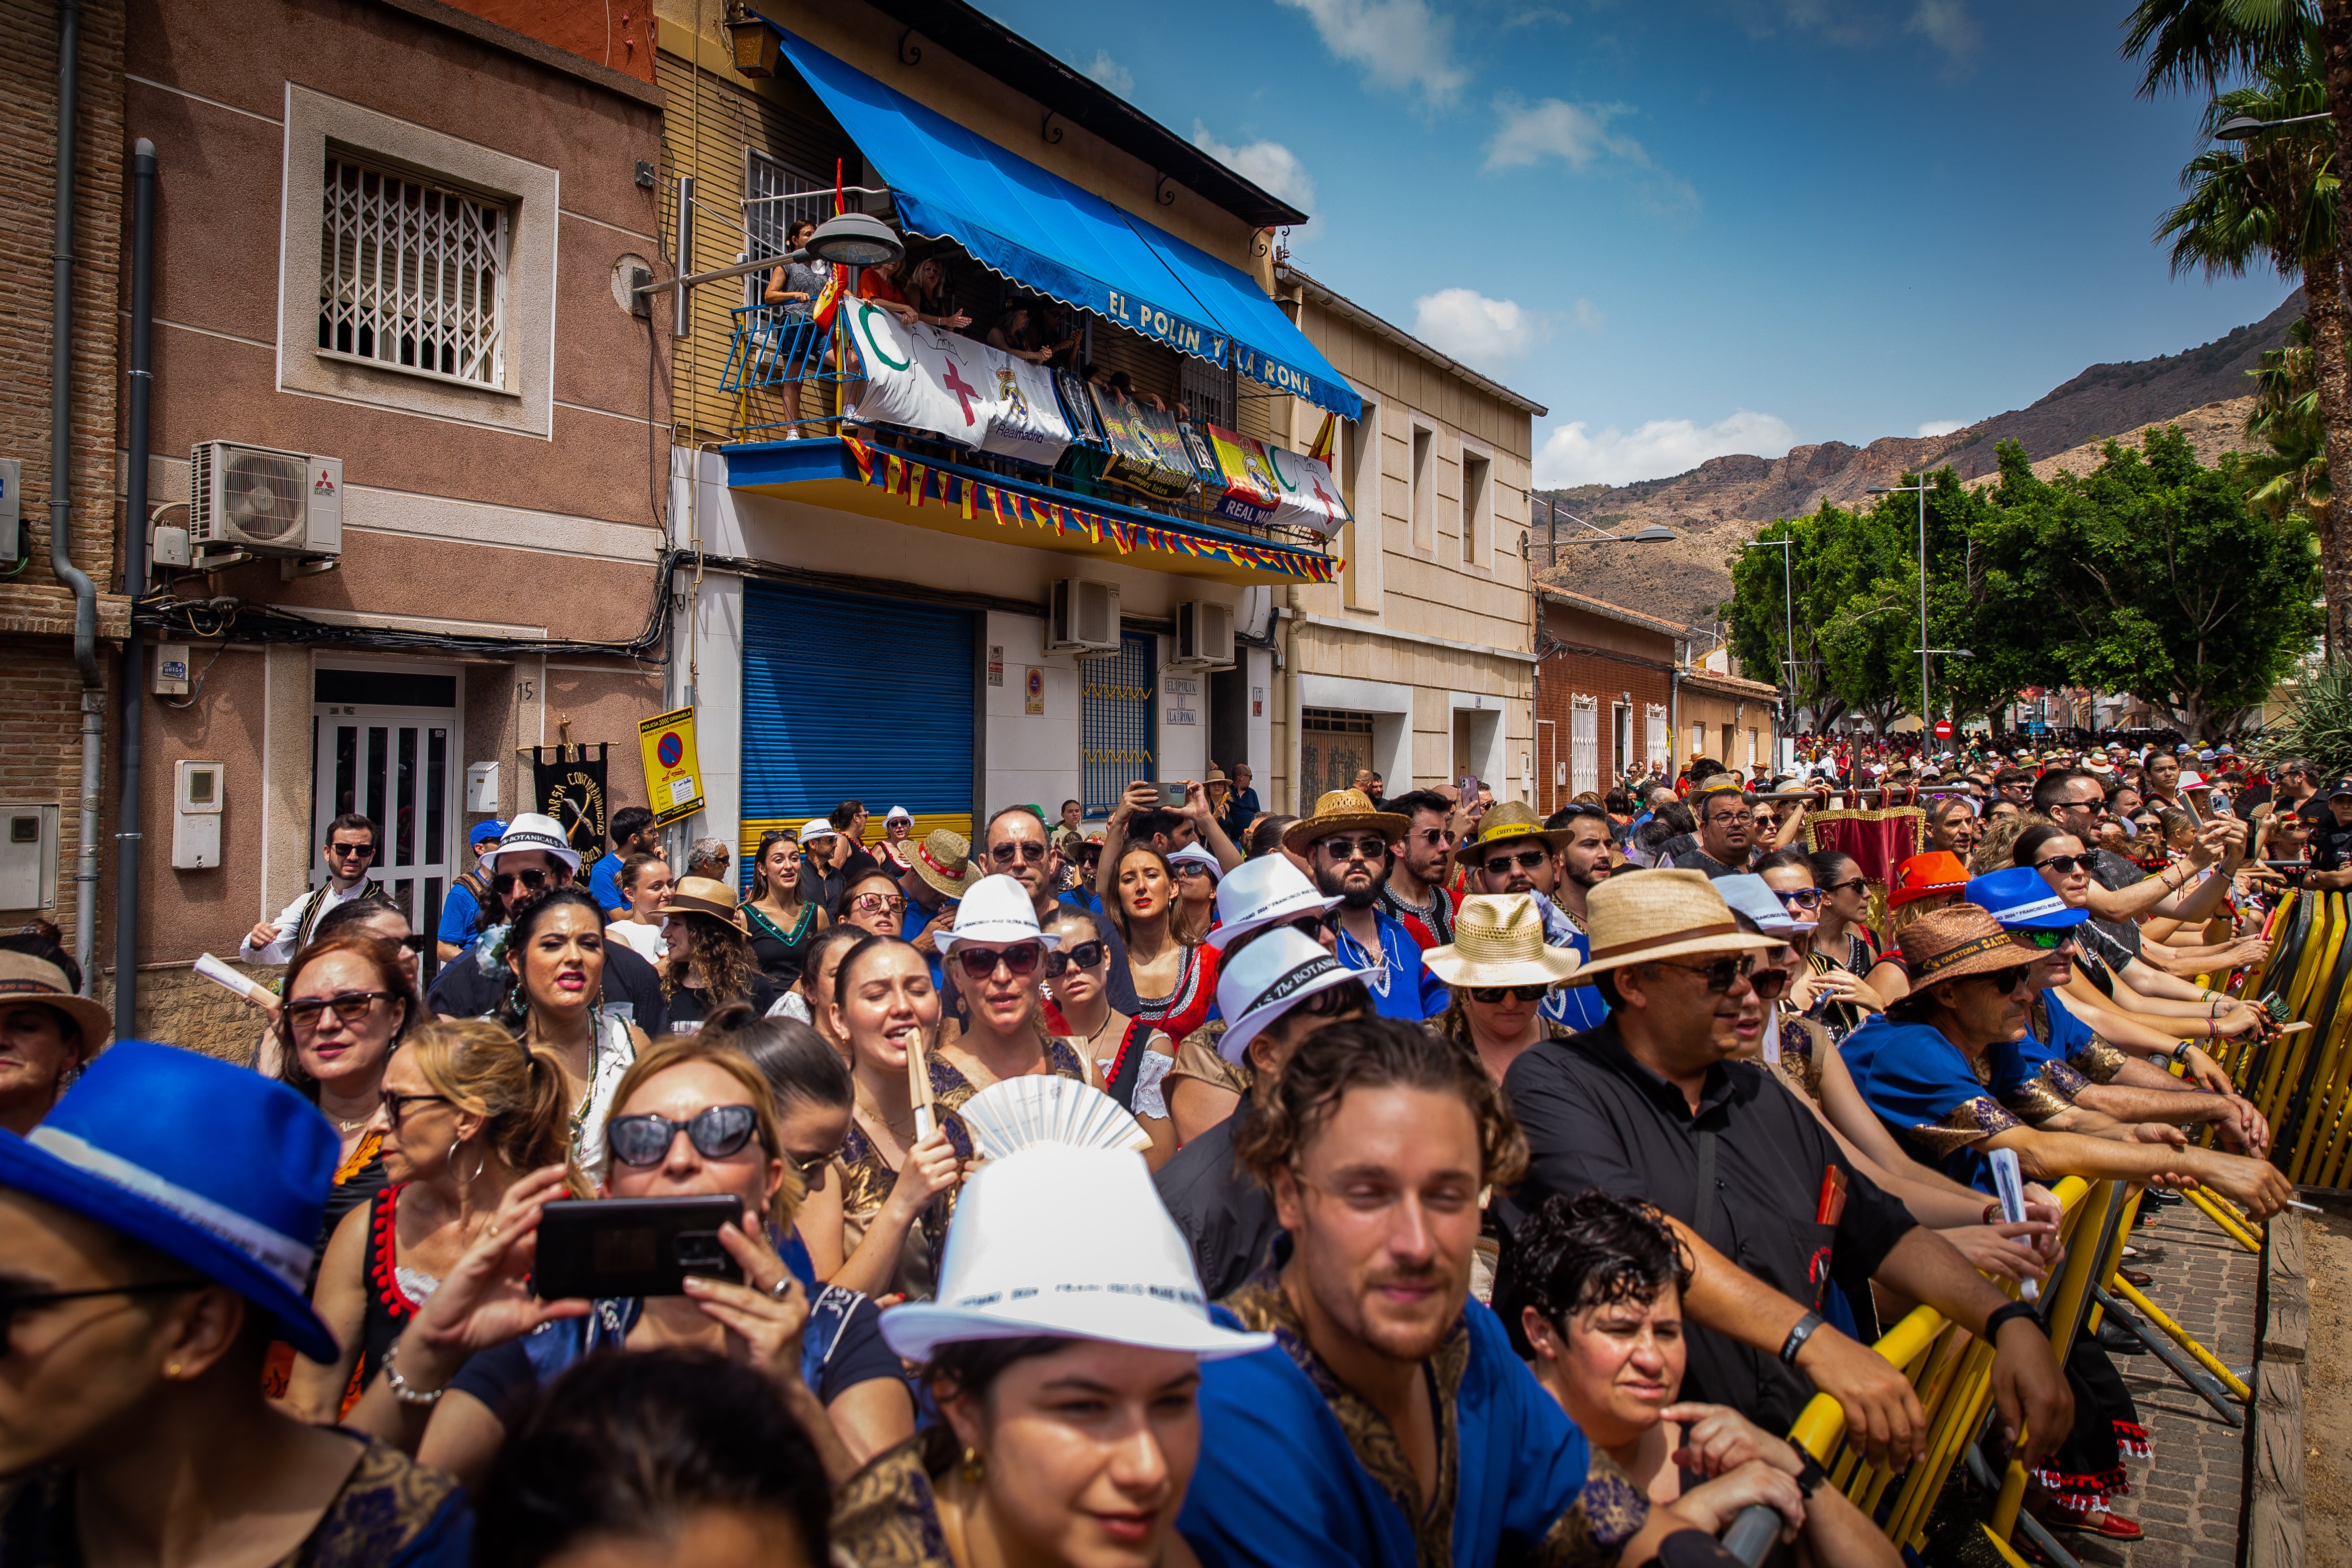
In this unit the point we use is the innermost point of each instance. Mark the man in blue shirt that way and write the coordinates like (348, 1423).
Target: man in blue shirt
(633, 834)
(937, 872)
(1243, 808)
(1345, 845)
(1558, 861)
(461, 906)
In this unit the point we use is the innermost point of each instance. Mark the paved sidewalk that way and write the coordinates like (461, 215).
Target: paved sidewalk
(2187, 1498)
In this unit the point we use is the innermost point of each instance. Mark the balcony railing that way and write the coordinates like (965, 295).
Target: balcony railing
(782, 370)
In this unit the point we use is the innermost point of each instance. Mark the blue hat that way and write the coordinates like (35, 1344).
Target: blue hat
(487, 831)
(213, 1164)
(2020, 900)
(1751, 895)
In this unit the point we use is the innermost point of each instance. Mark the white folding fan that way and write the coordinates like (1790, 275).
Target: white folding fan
(1016, 1112)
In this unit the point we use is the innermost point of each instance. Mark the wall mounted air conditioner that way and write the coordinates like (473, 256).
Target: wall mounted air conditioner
(251, 501)
(1084, 617)
(1205, 635)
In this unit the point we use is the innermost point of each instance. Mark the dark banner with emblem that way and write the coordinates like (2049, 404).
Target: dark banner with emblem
(568, 785)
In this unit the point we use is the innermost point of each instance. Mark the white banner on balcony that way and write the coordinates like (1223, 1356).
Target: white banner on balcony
(927, 378)
(1311, 497)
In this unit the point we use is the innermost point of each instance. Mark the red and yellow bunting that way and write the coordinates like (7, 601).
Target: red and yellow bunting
(919, 483)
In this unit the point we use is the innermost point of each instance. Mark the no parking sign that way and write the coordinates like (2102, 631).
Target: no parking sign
(673, 773)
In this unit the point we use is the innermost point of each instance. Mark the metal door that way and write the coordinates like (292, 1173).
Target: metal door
(394, 764)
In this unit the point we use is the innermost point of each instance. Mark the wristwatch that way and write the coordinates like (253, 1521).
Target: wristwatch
(2000, 1316)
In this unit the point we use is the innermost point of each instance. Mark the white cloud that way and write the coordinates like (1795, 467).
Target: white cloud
(1576, 455)
(1578, 135)
(1586, 315)
(1111, 74)
(1399, 43)
(1476, 331)
(1940, 426)
(1948, 26)
(1269, 165)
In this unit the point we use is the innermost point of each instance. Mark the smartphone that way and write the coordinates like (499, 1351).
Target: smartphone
(1171, 793)
(633, 1247)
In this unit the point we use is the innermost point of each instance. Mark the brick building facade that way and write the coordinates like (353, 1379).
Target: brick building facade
(1604, 695)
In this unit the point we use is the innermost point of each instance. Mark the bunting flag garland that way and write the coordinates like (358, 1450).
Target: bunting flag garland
(969, 498)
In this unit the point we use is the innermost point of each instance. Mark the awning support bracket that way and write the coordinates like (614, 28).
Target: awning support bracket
(1048, 128)
(1167, 197)
(910, 56)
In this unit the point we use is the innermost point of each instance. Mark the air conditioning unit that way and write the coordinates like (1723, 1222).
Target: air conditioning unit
(1084, 617)
(1205, 635)
(251, 501)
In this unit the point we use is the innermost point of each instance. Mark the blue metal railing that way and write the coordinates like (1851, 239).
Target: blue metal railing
(773, 353)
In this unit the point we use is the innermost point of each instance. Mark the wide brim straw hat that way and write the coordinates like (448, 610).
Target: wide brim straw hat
(1338, 811)
(1067, 1242)
(996, 909)
(24, 978)
(1262, 892)
(703, 895)
(943, 861)
(1508, 821)
(1924, 875)
(1649, 915)
(1955, 943)
(1498, 940)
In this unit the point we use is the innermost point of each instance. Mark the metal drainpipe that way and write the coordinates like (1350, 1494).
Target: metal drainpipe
(1294, 603)
(61, 566)
(134, 582)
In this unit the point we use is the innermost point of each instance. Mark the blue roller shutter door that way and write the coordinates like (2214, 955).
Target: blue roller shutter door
(853, 698)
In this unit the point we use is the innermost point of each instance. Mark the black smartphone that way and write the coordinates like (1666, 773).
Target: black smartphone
(633, 1247)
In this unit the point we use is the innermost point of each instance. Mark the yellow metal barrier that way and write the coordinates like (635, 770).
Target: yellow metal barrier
(2220, 1215)
(2205, 1358)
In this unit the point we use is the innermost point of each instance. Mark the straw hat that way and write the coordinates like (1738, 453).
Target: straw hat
(943, 861)
(1262, 892)
(1057, 1241)
(1338, 811)
(24, 978)
(1498, 940)
(1266, 979)
(1660, 914)
(703, 895)
(996, 909)
(1508, 821)
(1955, 943)
(1924, 875)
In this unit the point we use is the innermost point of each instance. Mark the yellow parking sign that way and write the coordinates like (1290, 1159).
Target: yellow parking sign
(673, 773)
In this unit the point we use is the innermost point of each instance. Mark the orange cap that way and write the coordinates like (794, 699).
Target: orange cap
(1923, 876)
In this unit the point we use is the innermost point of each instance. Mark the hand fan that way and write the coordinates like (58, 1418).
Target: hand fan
(1017, 1112)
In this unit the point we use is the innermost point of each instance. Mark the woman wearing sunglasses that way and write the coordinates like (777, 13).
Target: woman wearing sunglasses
(555, 951)
(1822, 987)
(873, 902)
(1499, 969)
(693, 1118)
(346, 1005)
(998, 953)
(463, 1116)
(1131, 1056)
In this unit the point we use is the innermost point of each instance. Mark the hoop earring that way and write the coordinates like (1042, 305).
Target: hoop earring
(975, 1468)
(481, 1162)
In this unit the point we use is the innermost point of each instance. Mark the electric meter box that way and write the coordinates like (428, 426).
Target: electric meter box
(196, 800)
(28, 857)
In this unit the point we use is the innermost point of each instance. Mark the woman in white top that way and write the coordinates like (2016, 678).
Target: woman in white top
(646, 879)
(555, 950)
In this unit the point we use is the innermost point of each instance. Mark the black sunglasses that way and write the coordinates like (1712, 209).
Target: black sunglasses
(714, 1132)
(1086, 956)
(979, 963)
(504, 881)
(2064, 865)
(1353, 849)
(1027, 853)
(1491, 995)
(350, 1008)
(346, 851)
(1527, 859)
(1721, 975)
(2007, 980)
(1859, 884)
(395, 1104)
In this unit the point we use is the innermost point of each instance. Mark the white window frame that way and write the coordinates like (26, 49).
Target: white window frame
(1658, 739)
(1583, 745)
(1421, 467)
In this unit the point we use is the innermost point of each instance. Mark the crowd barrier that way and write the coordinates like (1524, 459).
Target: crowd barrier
(2302, 1082)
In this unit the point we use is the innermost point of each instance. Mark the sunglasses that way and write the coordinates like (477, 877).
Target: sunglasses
(1018, 854)
(1309, 925)
(1800, 898)
(1440, 836)
(1352, 849)
(979, 963)
(1856, 884)
(2047, 941)
(351, 851)
(1525, 859)
(349, 1006)
(879, 904)
(1187, 870)
(1493, 994)
(1086, 956)
(2064, 865)
(1724, 972)
(394, 1105)
(714, 1132)
(504, 881)
(2007, 980)
(812, 1169)
(413, 941)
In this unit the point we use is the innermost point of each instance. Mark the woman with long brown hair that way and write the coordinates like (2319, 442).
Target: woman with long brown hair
(463, 1116)
(1131, 1055)
(1175, 980)
(710, 962)
(778, 921)
(555, 950)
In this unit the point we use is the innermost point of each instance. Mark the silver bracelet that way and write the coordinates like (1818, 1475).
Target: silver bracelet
(402, 1389)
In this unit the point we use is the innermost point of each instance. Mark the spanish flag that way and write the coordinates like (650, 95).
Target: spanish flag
(828, 298)
(1327, 440)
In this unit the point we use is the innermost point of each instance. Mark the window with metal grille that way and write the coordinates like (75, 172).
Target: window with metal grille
(778, 198)
(1212, 394)
(1583, 745)
(1115, 733)
(1657, 746)
(412, 275)
(1333, 746)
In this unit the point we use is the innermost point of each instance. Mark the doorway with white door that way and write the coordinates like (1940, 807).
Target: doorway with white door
(385, 743)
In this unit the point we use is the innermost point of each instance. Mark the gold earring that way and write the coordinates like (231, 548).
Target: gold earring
(975, 1468)
(173, 1370)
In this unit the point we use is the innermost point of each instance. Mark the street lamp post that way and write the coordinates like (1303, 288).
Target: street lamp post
(1926, 717)
(1788, 613)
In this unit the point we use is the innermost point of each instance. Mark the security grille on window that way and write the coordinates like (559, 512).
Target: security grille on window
(1210, 393)
(778, 198)
(1656, 745)
(1583, 745)
(413, 275)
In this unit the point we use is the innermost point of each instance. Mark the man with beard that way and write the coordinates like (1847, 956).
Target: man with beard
(1420, 865)
(1727, 830)
(1391, 1424)
(1345, 846)
(1514, 853)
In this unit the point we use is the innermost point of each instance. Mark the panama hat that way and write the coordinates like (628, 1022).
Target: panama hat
(1498, 940)
(897, 814)
(1052, 1239)
(703, 895)
(943, 861)
(1268, 890)
(1266, 979)
(996, 909)
(531, 830)
(24, 978)
(1924, 875)
(1338, 811)
(2022, 900)
(1508, 821)
(1660, 914)
(215, 1165)
(817, 827)
(1954, 943)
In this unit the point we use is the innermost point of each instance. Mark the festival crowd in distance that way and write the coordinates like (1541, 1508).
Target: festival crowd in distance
(1417, 1180)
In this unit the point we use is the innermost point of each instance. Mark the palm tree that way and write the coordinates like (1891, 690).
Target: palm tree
(2194, 46)
(2272, 201)
(2292, 474)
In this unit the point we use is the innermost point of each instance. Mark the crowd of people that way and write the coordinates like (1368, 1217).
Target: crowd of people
(1417, 1180)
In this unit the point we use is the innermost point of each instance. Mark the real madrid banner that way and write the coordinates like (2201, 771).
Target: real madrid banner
(929, 379)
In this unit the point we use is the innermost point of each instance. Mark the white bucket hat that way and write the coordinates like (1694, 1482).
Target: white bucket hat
(1266, 979)
(996, 909)
(1263, 892)
(897, 814)
(1193, 855)
(532, 831)
(1056, 1240)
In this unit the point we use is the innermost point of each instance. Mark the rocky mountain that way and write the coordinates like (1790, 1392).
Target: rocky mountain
(1717, 506)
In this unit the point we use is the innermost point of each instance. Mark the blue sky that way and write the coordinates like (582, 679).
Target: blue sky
(1697, 227)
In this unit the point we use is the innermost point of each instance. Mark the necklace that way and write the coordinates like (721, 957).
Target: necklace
(866, 1108)
(351, 1126)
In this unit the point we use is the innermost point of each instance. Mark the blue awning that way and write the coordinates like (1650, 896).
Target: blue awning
(1044, 232)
